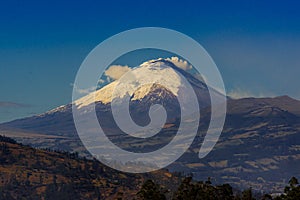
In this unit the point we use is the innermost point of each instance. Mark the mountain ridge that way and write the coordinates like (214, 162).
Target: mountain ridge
(259, 139)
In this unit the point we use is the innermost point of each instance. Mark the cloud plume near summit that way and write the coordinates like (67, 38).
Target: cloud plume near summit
(114, 72)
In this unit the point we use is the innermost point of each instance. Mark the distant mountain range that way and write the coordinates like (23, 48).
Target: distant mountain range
(259, 146)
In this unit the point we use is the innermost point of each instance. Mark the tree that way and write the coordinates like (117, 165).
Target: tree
(150, 191)
(267, 197)
(247, 194)
(293, 190)
(293, 182)
(208, 181)
(225, 192)
(202, 191)
(5, 150)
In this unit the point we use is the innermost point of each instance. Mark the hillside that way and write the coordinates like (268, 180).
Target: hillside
(28, 173)
(260, 141)
(258, 148)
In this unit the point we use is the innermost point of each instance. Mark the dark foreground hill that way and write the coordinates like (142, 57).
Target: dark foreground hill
(28, 173)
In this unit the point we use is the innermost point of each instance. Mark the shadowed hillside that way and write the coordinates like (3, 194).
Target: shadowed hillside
(28, 173)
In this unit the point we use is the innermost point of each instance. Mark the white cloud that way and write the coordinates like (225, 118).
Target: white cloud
(239, 93)
(9, 104)
(83, 91)
(116, 71)
(183, 64)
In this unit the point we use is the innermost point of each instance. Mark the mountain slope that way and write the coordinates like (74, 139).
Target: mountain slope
(258, 147)
(28, 173)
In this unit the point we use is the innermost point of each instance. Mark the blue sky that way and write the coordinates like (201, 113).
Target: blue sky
(255, 44)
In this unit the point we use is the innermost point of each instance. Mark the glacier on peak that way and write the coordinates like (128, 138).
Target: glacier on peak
(142, 78)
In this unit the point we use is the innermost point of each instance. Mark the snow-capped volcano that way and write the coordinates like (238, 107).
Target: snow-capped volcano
(153, 82)
(138, 83)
